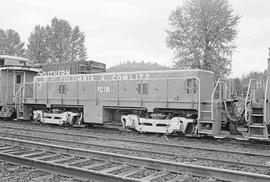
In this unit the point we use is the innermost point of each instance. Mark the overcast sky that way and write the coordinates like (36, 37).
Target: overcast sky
(121, 30)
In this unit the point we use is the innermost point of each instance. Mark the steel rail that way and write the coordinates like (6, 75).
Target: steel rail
(222, 174)
(242, 164)
(141, 142)
(79, 173)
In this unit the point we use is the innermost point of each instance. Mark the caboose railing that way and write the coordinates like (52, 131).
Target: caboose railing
(19, 96)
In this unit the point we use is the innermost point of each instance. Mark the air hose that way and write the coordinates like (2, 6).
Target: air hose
(229, 115)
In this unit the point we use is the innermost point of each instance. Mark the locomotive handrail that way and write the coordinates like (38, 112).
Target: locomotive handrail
(19, 90)
(246, 100)
(265, 100)
(212, 99)
(199, 98)
(17, 93)
(22, 86)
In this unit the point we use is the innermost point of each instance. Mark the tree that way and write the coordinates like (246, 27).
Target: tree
(10, 43)
(259, 76)
(57, 42)
(78, 50)
(37, 49)
(238, 86)
(2, 41)
(202, 34)
(134, 66)
(59, 35)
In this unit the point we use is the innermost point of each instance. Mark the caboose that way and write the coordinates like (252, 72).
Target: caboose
(14, 72)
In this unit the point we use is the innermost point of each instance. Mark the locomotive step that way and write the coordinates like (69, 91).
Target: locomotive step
(257, 115)
(223, 134)
(206, 111)
(205, 106)
(257, 106)
(79, 126)
(257, 126)
(208, 132)
(258, 137)
(207, 122)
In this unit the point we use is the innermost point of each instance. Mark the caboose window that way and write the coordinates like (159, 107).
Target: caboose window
(18, 79)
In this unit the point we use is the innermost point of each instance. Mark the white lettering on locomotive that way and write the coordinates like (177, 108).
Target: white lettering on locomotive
(56, 73)
(103, 89)
(141, 76)
(76, 78)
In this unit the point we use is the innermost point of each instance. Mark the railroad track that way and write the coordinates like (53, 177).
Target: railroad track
(104, 166)
(88, 136)
(264, 169)
(15, 172)
(98, 128)
(134, 141)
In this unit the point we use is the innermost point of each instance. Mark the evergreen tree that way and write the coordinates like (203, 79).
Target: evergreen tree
(2, 41)
(37, 49)
(78, 50)
(58, 42)
(202, 35)
(134, 66)
(59, 36)
(10, 43)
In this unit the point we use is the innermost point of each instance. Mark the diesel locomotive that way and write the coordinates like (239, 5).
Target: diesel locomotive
(172, 101)
(189, 102)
